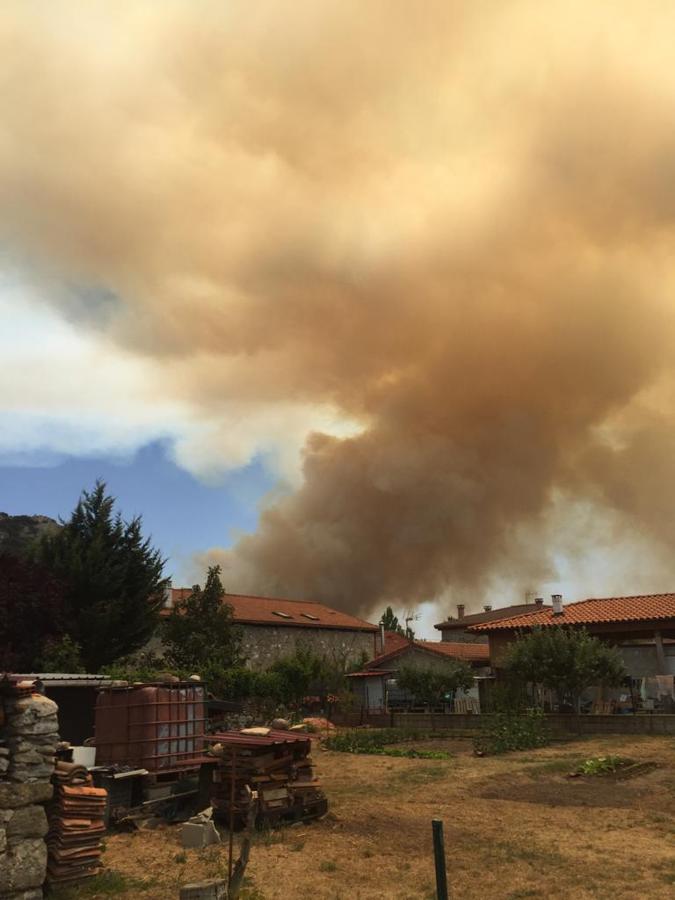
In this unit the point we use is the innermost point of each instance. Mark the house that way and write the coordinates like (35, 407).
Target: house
(641, 627)
(375, 684)
(457, 630)
(274, 627)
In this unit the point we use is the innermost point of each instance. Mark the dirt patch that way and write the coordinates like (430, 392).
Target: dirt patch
(562, 791)
(515, 828)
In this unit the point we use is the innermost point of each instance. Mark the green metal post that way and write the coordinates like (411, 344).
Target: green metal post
(439, 860)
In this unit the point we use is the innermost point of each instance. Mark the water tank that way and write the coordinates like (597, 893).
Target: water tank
(159, 727)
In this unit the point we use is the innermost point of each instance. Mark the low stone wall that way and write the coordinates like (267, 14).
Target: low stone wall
(28, 741)
(560, 724)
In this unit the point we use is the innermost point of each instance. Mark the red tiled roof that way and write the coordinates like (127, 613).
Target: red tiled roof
(594, 611)
(394, 641)
(249, 610)
(465, 651)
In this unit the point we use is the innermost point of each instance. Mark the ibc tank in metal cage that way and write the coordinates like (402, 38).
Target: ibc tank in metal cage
(159, 727)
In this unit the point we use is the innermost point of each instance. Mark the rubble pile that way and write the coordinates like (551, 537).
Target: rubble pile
(76, 826)
(28, 738)
(273, 766)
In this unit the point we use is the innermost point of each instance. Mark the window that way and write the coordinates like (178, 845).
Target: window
(283, 615)
(310, 616)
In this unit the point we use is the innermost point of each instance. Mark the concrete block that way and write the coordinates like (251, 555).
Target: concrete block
(195, 836)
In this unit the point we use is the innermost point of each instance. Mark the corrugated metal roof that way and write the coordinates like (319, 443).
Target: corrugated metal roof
(65, 679)
(235, 738)
(594, 611)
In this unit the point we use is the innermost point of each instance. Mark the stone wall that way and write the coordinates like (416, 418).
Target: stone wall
(263, 644)
(28, 741)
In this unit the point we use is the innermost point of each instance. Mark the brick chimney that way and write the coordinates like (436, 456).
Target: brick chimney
(557, 601)
(460, 610)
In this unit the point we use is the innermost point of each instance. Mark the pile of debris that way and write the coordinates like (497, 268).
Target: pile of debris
(75, 825)
(270, 767)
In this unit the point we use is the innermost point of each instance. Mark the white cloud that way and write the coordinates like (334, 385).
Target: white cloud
(67, 391)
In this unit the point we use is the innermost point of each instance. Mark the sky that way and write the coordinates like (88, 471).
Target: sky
(368, 308)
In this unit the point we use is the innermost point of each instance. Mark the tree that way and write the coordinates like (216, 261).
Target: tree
(390, 621)
(564, 660)
(430, 687)
(31, 614)
(112, 576)
(200, 634)
(298, 673)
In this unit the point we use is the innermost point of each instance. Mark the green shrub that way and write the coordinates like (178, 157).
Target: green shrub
(507, 731)
(602, 765)
(377, 741)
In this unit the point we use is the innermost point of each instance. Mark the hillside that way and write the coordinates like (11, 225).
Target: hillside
(18, 532)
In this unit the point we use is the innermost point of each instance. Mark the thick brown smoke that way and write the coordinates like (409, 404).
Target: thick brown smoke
(452, 223)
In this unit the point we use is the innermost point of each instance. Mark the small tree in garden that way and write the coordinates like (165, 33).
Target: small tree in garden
(200, 634)
(565, 661)
(431, 686)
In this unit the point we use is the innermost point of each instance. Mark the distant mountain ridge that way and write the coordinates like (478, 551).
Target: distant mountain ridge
(18, 532)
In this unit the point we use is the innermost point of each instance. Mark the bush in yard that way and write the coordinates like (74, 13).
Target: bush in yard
(509, 731)
(377, 742)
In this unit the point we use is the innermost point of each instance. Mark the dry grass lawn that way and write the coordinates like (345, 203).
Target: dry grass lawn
(515, 827)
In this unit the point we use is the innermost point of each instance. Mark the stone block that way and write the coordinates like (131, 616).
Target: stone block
(36, 706)
(198, 835)
(24, 866)
(29, 821)
(3, 840)
(13, 796)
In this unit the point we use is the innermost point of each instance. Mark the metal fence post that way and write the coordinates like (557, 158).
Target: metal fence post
(439, 860)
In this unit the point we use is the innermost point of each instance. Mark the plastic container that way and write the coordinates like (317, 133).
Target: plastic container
(158, 727)
(84, 756)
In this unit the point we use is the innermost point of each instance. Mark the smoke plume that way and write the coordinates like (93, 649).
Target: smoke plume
(452, 225)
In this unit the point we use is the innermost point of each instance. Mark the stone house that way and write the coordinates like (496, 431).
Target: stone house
(642, 628)
(273, 628)
(375, 685)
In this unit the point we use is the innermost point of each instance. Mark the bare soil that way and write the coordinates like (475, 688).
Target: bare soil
(515, 827)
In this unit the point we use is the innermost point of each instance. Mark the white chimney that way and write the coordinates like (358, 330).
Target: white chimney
(167, 596)
(557, 601)
(539, 601)
(382, 640)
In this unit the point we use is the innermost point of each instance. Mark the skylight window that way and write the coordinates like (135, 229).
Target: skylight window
(310, 616)
(282, 614)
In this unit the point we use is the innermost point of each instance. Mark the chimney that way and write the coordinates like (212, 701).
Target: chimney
(168, 603)
(539, 601)
(381, 637)
(557, 601)
(487, 608)
(460, 610)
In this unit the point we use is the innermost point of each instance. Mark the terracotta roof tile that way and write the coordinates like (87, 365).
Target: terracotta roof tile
(394, 641)
(593, 611)
(251, 610)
